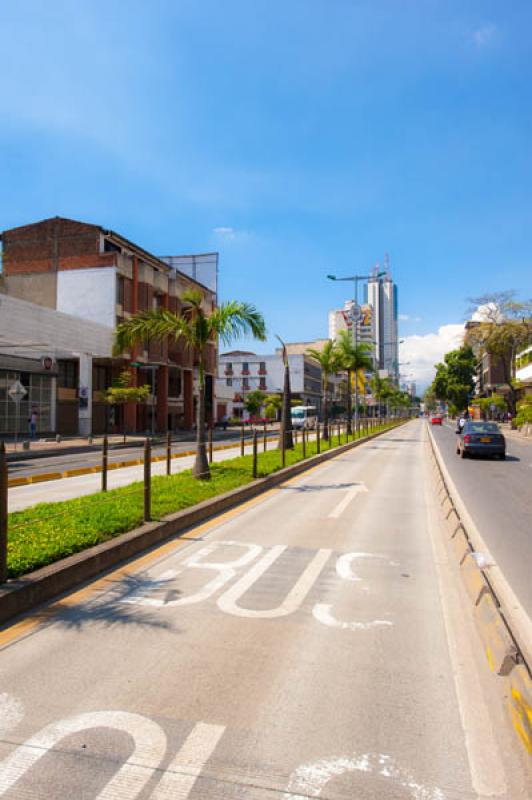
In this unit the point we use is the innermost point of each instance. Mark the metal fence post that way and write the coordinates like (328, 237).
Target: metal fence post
(241, 440)
(304, 442)
(318, 443)
(147, 480)
(339, 433)
(105, 450)
(3, 513)
(265, 439)
(283, 449)
(295, 436)
(210, 444)
(169, 453)
(254, 453)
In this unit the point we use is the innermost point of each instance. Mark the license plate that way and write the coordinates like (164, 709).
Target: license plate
(485, 439)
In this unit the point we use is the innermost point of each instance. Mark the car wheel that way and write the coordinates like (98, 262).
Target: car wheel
(457, 451)
(463, 453)
(503, 456)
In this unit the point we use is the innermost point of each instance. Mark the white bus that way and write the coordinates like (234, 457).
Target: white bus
(304, 417)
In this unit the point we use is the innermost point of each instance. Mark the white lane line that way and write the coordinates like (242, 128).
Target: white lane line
(485, 765)
(350, 495)
(180, 777)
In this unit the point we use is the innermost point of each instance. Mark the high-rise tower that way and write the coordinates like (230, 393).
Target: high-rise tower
(382, 297)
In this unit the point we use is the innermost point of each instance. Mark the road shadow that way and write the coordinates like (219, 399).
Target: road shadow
(110, 609)
(319, 487)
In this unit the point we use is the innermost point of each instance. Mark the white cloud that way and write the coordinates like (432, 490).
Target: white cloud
(484, 35)
(423, 352)
(487, 313)
(225, 231)
(404, 317)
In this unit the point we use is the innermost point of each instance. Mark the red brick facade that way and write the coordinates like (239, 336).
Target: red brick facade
(58, 244)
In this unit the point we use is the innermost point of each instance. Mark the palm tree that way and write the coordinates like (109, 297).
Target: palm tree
(381, 388)
(195, 328)
(286, 411)
(353, 359)
(329, 361)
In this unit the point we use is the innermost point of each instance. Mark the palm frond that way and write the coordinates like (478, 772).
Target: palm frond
(150, 325)
(231, 320)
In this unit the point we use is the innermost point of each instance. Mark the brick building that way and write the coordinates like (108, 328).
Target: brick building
(97, 275)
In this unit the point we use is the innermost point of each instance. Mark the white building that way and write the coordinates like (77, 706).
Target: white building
(343, 319)
(48, 352)
(523, 366)
(241, 372)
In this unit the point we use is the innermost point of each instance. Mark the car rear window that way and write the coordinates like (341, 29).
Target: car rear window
(482, 427)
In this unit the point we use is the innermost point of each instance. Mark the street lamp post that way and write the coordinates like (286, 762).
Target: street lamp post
(356, 319)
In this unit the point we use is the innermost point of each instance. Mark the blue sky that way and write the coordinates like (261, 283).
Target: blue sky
(297, 137)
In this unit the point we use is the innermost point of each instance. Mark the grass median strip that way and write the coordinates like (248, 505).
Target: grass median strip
(48, 532)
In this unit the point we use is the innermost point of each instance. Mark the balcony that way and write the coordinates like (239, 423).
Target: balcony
(228, 371)
(245, 372)
(262, 372)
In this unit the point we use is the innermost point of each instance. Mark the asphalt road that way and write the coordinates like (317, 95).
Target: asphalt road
(311, 643)
(498, 496)
(60, 462)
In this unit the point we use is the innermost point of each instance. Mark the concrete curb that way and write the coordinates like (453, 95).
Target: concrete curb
(44, 584)
(504, 626)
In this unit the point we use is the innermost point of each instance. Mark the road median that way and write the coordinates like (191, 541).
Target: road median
(31, 589)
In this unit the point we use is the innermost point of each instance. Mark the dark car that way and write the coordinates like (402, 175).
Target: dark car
(481, 438)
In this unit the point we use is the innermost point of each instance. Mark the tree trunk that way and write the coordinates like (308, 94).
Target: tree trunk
(507, 375)
(286, 415)
(349, 401)
(201, 464)
(325, 434)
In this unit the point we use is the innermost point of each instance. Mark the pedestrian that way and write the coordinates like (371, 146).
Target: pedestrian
(33, 423)
(224, 422)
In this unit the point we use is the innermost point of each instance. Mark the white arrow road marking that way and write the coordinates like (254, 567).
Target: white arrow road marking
(350, 495)
(180, 777)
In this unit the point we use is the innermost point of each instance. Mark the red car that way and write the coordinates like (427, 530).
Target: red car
(436, 420)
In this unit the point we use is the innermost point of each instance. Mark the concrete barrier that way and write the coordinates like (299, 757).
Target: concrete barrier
(460, 543)
(474, 580)
(520, 704)
(499, 647)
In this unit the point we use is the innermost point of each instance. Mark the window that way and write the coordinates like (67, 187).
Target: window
(120, 290)
(111, 247)
(157, 302)
(245, 383)
(67, 377)
(174, 383)
(245, 366)
(262, 366)
(262, 383)
(228, 381)
(99, 378)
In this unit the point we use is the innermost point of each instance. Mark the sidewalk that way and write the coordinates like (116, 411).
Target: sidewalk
(40, 448)
(81, 442)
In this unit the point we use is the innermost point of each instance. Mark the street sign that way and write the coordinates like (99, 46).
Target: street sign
(17, 391)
